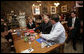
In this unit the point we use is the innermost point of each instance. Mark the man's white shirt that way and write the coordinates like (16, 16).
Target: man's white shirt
(73, 21)
(57, 33)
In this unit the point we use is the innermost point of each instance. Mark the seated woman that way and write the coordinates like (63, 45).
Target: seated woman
(31, 24)
(8, 37)
(45, 26)
(5, 46)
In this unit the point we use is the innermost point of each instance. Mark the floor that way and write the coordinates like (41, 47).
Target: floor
(69, 49)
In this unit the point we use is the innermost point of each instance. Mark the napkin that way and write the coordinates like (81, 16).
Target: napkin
(28, 50)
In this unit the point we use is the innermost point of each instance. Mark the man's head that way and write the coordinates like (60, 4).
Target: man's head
(46, 19)
(54, 18)
(73, 14)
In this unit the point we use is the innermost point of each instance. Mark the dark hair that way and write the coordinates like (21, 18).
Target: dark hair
(55, 17)
(2, 28)
(73, 12)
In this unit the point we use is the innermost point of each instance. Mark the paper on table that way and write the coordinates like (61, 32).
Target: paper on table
(27, 51)
(14, 33)
(39, 40)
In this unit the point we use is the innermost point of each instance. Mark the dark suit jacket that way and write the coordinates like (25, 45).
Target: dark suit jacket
(45, 28)
(32, 26)
(76, 29)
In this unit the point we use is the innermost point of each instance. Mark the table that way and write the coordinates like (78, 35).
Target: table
(20, 45)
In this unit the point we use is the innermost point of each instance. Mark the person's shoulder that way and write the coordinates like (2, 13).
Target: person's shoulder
(43, 22)
(77, 18)
(57, 24)
(60, 24)
(49, 21)
(70, 18)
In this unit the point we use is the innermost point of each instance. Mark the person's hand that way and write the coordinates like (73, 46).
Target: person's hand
(40, 34)
(10, 30)
(71, 28)
(10, 40)
(5, 24)
(2, 19)
(12, 45)
(33, 28)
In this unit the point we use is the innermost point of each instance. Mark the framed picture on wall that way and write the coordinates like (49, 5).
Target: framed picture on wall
(36, 10)
(53, 9)
(79, 3)
(64, 8)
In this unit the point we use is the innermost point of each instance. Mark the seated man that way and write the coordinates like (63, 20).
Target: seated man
(45, 26)
(57, 34)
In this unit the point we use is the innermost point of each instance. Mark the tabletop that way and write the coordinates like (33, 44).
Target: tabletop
(20, 45)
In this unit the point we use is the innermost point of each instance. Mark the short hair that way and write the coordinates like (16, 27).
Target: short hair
(73, 12)
(46, 17)
(55, 17)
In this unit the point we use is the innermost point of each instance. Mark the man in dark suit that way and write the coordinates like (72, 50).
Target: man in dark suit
(45, 26)
(74, 29)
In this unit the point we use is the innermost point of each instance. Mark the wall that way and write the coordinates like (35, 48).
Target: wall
(26, 6)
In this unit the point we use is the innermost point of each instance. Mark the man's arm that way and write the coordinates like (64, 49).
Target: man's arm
(57, 32)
